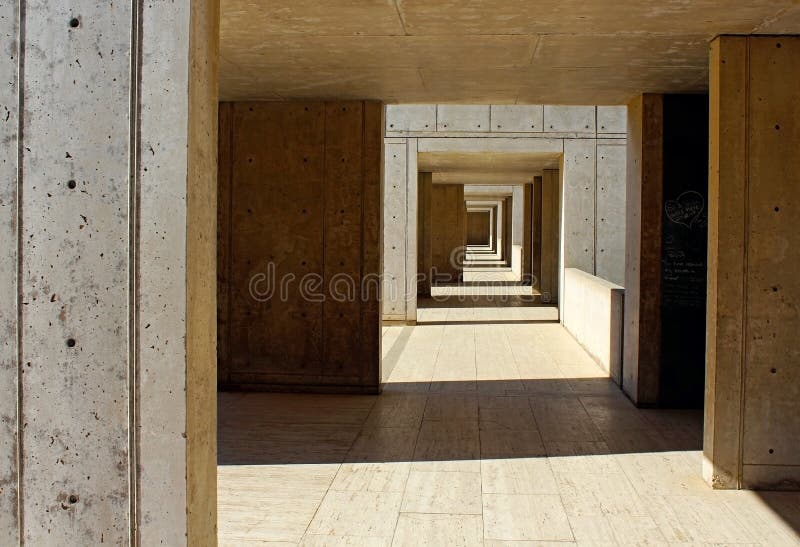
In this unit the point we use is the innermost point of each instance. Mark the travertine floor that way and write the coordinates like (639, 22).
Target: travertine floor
(487, 434)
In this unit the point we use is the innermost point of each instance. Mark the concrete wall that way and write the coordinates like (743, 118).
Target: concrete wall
(592, 312)
(107, 202)
(590, 139)
(752, 424)
(303, 231)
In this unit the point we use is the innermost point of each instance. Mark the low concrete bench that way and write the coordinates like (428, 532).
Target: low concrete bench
(592, 311)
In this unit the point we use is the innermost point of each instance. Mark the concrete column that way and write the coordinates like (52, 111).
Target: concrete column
(508, 230)
(108, 194)
(395, 227)
(551, 227)
(752, 423)
(641, 354)
(500, 229)
(517, 230)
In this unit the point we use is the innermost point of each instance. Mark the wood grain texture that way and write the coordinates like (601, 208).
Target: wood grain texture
(305, 252)
(551, 220)
(478, 228)
(224, 176)
(425, 257)
(448, 231)
(527, 238)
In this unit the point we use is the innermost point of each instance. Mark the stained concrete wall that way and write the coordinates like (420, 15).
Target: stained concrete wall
(9, 240)
(592, 312)
(752, 424)
(108, 195)
(304, 233)
(590, 139)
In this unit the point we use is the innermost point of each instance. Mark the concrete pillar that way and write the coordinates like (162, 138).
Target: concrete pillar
(517, 230)
(551, 227)
(642, 332)
(752, 423)
(508, 230)
(108, 202)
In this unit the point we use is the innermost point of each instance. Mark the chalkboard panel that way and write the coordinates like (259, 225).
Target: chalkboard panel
(684, 250)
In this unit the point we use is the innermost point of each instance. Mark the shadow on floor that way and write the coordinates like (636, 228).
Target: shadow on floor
(449, 421)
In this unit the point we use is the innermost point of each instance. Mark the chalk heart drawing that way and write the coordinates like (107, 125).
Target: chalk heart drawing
(686, 209)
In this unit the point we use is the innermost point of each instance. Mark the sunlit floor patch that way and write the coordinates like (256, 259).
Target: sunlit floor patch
(486, 434)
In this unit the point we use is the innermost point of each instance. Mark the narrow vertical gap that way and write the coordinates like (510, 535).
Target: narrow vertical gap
(134, 202)
(20, 174)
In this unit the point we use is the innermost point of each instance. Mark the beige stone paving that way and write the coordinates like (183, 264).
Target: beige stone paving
(486, 434)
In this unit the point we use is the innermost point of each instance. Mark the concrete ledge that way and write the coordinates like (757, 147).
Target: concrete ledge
(592, 312)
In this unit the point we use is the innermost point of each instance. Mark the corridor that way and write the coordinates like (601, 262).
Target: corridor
(486, 434)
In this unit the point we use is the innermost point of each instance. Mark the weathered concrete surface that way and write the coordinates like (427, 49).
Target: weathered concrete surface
(9, 121)
(395, 209)
(753, 294)
(105, 262)
(76, 454)
(610, 219)
(641, 357)
(726, 246)
(592, 312)
(580, 177)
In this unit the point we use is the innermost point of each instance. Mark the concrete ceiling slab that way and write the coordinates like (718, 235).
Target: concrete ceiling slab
(485, 165)
(493, 51)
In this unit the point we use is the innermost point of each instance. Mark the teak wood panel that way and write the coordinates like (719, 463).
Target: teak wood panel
(304, 203)
(449, 231)
(478, 232)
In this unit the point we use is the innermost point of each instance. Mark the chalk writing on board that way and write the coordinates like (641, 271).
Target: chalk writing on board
(687, 209)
